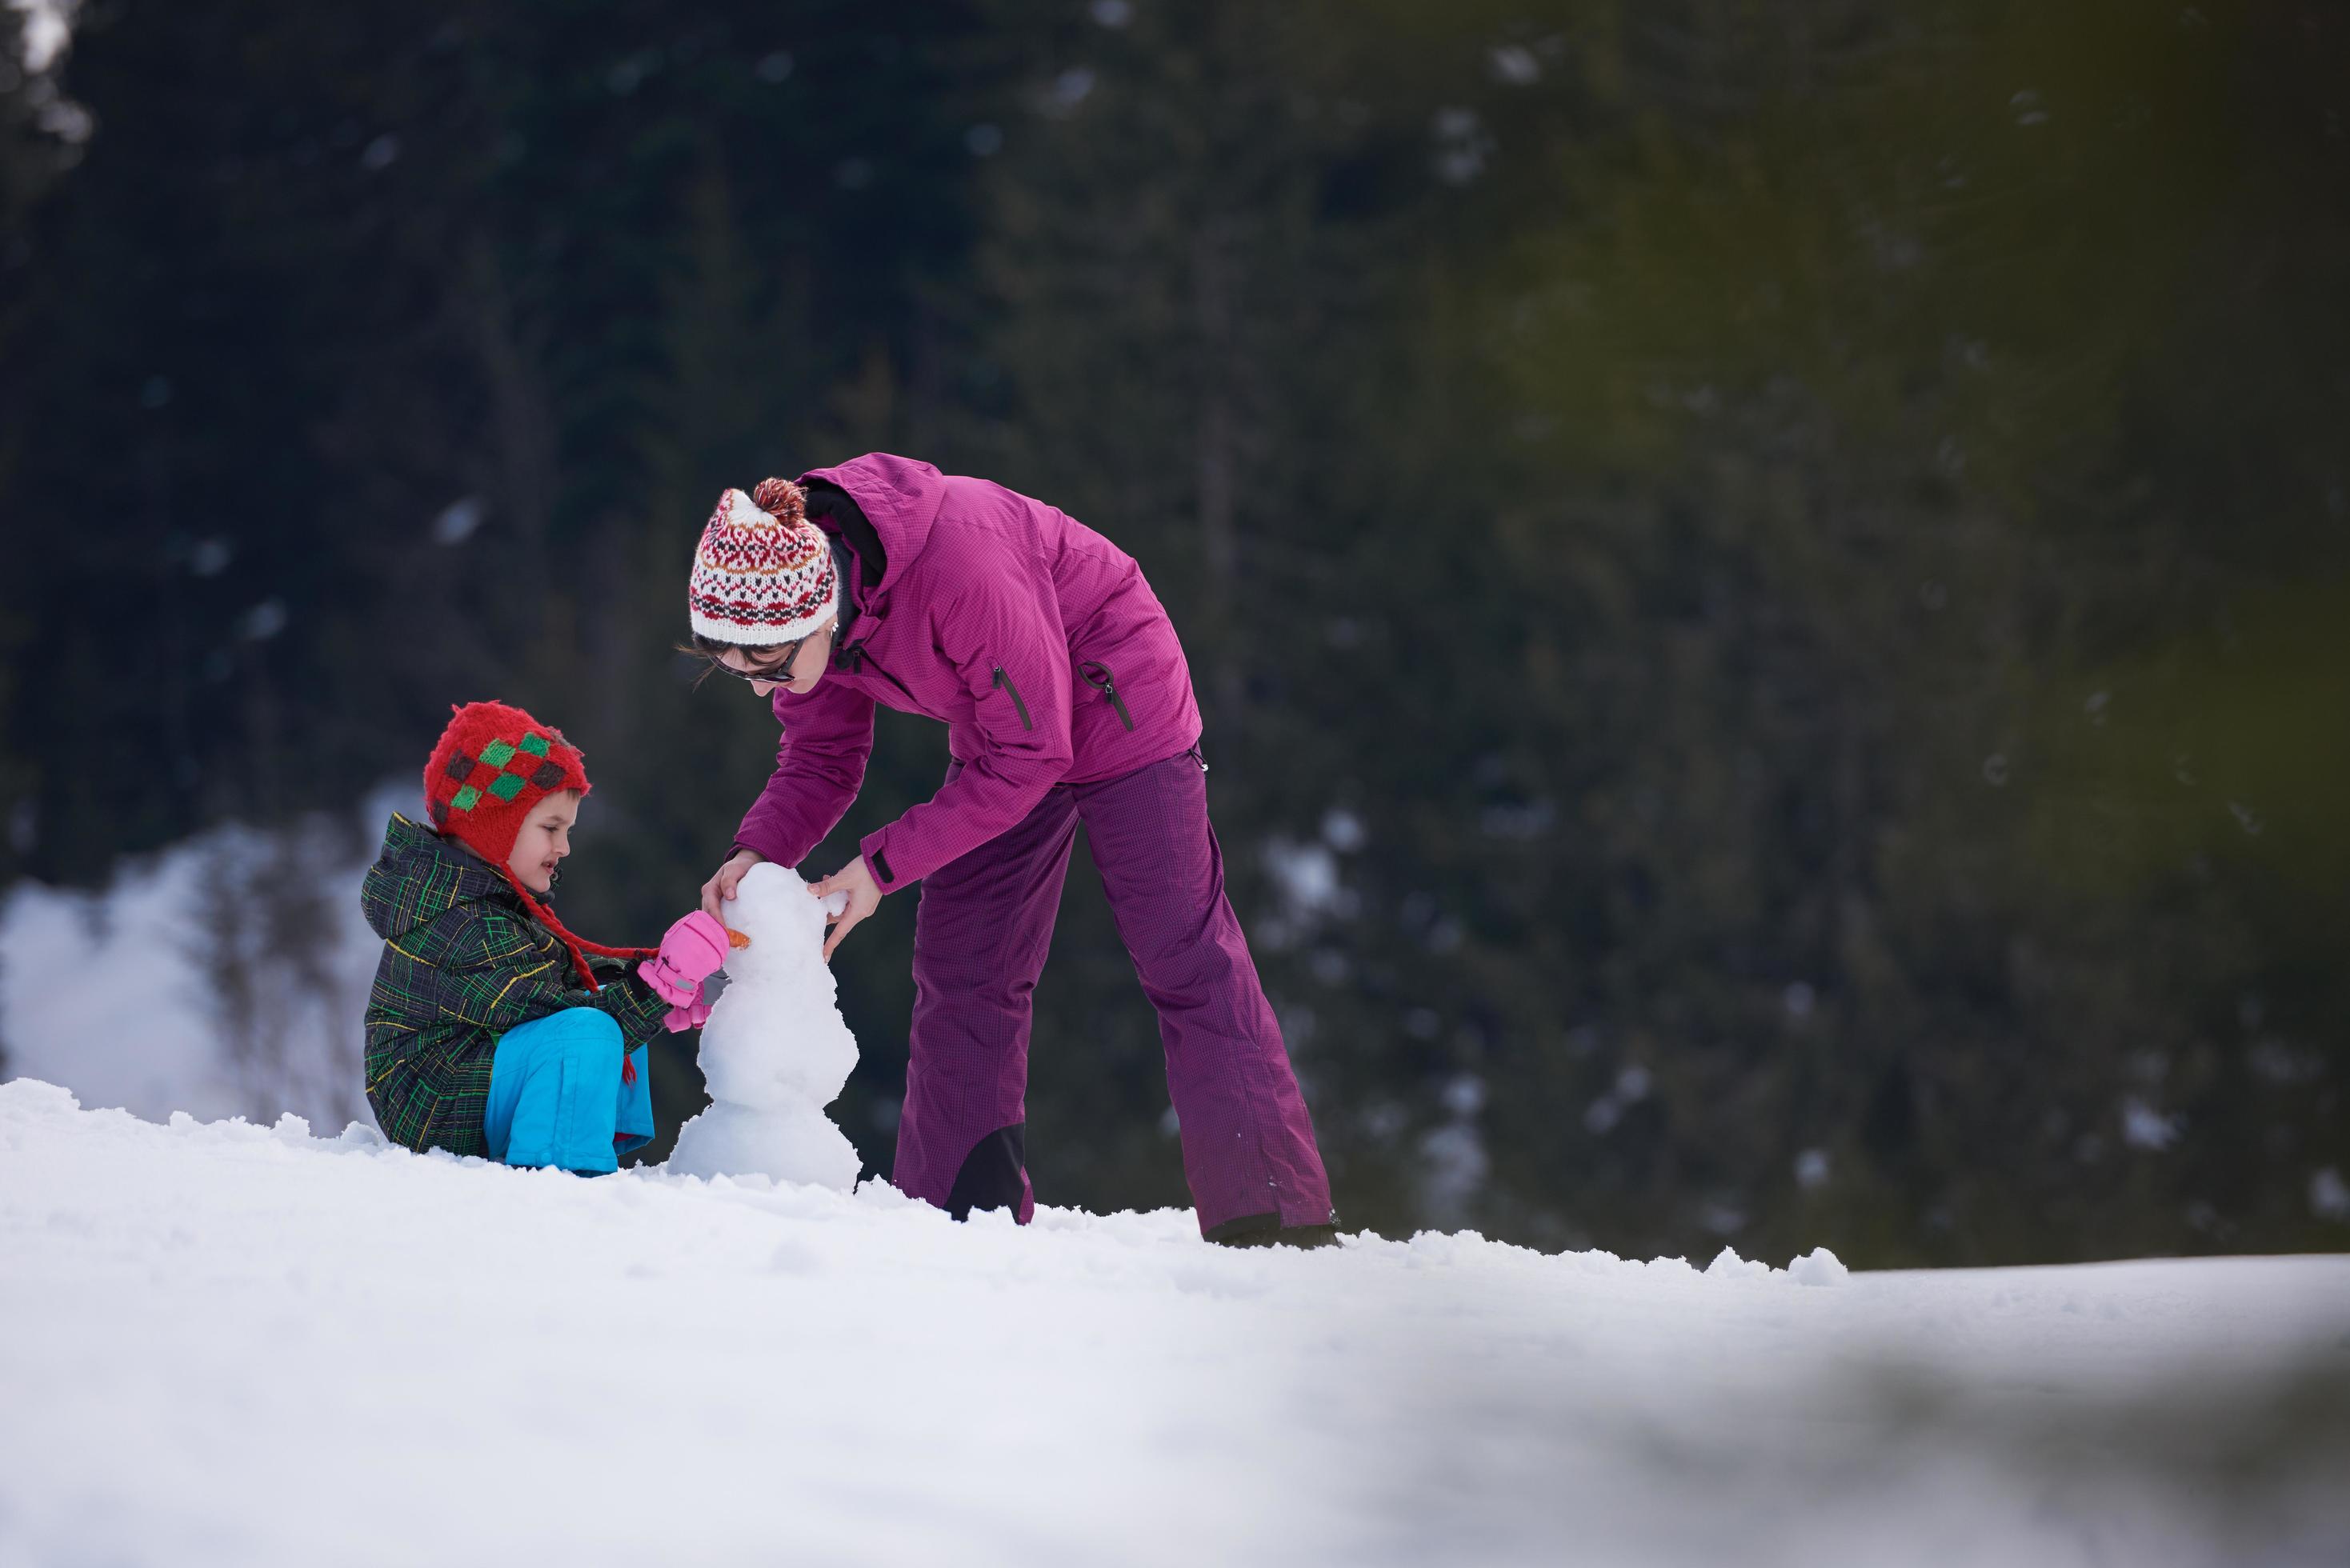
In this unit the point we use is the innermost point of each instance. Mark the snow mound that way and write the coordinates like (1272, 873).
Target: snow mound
(1819, 1267)
(775, 1051)
(228, 1344)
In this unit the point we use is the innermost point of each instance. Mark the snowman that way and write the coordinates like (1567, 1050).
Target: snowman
(774, 1051)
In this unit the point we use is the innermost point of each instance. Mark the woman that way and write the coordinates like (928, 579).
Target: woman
(1067, 698)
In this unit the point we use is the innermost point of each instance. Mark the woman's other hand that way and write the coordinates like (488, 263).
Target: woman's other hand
(721, 886)
(864, 898)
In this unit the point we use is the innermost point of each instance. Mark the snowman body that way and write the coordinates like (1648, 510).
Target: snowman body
(774, 1051)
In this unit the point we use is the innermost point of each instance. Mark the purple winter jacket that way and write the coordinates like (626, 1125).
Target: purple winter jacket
(1031, 638)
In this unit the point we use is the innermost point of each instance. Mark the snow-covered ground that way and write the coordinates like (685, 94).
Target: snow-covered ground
(224, 1344)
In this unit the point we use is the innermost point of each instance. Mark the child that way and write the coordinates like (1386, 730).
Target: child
(490, 1030)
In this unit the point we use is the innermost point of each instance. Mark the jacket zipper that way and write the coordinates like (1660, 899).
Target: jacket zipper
(1003, 683)
(854, 657)
(1098, 676)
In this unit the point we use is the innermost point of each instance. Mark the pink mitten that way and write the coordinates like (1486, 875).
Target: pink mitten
(692, 1015)
(690, 954)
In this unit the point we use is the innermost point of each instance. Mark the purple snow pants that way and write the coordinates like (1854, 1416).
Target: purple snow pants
(981, 934)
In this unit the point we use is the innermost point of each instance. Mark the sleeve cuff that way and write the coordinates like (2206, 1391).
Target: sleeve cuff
(764, 851)
(874, 848)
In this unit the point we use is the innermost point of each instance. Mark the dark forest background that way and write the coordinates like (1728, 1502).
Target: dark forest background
(1770, 582)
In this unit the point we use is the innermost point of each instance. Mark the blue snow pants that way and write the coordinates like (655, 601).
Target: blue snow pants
(556, 1097)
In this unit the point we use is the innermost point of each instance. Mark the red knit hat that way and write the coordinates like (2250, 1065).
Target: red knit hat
(493, 765)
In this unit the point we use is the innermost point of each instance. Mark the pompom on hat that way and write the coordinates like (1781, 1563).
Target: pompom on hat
(762, 574)
(492, 767)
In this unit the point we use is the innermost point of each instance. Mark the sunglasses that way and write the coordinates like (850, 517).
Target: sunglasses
(776, 671)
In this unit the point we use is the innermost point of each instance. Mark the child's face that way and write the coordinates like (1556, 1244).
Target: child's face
(544, 841)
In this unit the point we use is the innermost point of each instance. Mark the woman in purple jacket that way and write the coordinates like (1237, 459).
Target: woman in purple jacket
(1065, 697)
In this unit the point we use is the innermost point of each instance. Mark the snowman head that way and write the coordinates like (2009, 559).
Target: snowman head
(784, 923)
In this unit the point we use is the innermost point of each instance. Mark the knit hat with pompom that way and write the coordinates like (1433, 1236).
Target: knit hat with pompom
(492, 767)
(762, 574)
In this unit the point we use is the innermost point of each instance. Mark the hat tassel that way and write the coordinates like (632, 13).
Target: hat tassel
(574, 946)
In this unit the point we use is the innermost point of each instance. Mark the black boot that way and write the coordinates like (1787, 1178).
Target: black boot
(1267, 1230)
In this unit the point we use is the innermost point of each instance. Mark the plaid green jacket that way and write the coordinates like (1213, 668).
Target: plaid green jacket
(463, 964)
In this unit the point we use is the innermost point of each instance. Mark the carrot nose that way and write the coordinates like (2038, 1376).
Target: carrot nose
(738, 940)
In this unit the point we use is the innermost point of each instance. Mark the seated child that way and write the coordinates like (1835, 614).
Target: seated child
(490, 1030)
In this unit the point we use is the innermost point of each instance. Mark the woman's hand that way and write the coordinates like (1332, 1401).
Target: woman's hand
(721, 886)
(864, 898)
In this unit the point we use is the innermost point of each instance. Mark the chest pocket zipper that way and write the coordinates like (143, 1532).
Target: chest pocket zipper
(1098, 676)
(853, 657)
(1003, 683)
